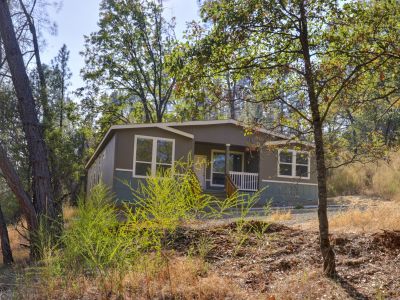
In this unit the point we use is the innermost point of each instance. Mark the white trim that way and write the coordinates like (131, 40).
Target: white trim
(162, 126)
(166, 126)
(212, 164)
(124, 170)
(288, 142)
(174, 130)
(294, 164)
(291, 182)
(154, 154)
(97, 149)
(195, 123)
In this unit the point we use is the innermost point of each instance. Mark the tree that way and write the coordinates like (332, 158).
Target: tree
(5, 241)
(312, 57)
(43, 200)
(127, 55)
(62, 75)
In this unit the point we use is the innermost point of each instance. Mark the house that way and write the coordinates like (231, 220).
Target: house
(257, 159)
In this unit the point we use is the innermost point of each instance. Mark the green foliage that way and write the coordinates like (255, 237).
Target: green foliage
(170, 197)
(126, 56)
(96, 240)
(352, 52)
(9, 206)
(102, 237)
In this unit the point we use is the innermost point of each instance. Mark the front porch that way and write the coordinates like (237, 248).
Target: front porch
(226, 168)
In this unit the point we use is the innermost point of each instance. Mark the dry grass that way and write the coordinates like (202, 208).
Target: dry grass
(69, 212)
(384, 215)
(18, 244)
(184, 278)
(307, 284)
(180, 278)
(280, 215)
(381, 178)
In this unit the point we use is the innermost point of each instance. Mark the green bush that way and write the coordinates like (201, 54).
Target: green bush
(96, 239)
(10, 207)
(103, 237)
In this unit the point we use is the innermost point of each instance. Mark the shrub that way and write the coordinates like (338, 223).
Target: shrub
(348, 180)
(386, 179)
(10, 207)
(381, 178)
(95, 239)
(105, 243)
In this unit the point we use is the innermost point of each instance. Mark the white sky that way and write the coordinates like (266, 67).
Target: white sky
(77, 18)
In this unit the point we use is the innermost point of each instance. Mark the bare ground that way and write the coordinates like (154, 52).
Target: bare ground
(282, 260)
(368, 265)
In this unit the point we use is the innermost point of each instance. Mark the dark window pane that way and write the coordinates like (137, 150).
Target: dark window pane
(164, 152)
(219, 162)
(144, 149)
(143, 169)
(286, 156)
(285, 169)
(218, 178)
(162, 169)
(302, 171)
(302, 158)
(235, 163)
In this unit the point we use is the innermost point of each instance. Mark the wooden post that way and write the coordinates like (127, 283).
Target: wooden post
(227, 155)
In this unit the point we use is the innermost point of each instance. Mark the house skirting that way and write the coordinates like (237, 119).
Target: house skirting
(288, 194)
(278, 193)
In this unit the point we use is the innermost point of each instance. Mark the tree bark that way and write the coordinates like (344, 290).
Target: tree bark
(231, 96)
(39, 67)
(43, 194)
(328, 254)
(21, 195)
(17, 188)
(5, 241)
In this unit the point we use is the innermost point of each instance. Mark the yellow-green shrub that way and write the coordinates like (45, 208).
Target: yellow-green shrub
(380, 178)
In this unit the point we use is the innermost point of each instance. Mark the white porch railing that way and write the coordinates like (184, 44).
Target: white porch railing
(245, 181)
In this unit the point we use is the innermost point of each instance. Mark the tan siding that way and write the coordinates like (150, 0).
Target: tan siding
(269, 167)
(225, 134)
(125, 142)
(102, 169)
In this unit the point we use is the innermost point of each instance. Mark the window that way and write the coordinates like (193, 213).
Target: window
(236, 162)
(294, 164)
(152, 154)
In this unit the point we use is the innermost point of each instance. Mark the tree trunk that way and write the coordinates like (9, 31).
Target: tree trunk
(22, 197)
(43, 194)
(39, 67)
(328, 254)
(5, 241)
(231, 97)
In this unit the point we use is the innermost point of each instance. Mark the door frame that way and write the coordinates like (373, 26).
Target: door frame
(204, 166)
(212, 164)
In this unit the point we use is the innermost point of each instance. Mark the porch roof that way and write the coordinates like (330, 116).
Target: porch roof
(172, 127)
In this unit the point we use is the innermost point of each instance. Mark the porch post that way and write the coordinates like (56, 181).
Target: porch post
(227, 154)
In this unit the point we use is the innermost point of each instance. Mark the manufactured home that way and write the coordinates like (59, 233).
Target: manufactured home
(225, 155)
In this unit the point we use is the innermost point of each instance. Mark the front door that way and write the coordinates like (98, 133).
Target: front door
(200, 166)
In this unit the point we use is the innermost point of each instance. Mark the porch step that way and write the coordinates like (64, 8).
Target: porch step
(220, 194)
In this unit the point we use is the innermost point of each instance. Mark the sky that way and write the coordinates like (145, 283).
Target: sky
(77, 18)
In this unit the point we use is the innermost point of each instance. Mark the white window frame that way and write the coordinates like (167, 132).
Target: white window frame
(153, 155)
(294, 164)
(212, 164)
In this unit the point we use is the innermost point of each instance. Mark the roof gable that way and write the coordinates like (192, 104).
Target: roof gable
(173, 127)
